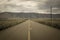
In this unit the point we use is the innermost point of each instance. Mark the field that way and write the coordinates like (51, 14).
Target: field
(6, 23)
(54, 22)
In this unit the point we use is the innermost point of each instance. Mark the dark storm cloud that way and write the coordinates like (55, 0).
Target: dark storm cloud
(48, 3)
(53, 3)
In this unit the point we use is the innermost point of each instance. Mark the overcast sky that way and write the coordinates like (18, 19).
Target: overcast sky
(39, 6)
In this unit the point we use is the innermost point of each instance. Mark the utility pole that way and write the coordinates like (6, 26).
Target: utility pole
(51, 14)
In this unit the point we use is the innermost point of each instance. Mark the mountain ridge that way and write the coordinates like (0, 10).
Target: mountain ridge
(27, 15)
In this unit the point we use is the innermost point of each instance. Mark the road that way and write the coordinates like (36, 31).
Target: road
(37, 32)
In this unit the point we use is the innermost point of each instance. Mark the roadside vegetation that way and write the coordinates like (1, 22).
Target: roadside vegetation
(54, 22)
(6, 23)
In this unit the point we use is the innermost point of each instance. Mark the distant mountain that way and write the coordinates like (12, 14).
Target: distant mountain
(27, 15)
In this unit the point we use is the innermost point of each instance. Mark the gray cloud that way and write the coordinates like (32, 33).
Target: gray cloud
(43, 5)
(54, 3)
(48, 3)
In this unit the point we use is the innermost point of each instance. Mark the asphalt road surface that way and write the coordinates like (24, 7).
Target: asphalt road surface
(30, 30)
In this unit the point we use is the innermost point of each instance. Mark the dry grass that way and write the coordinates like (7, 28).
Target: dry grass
(55, 22)
(10, 22)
